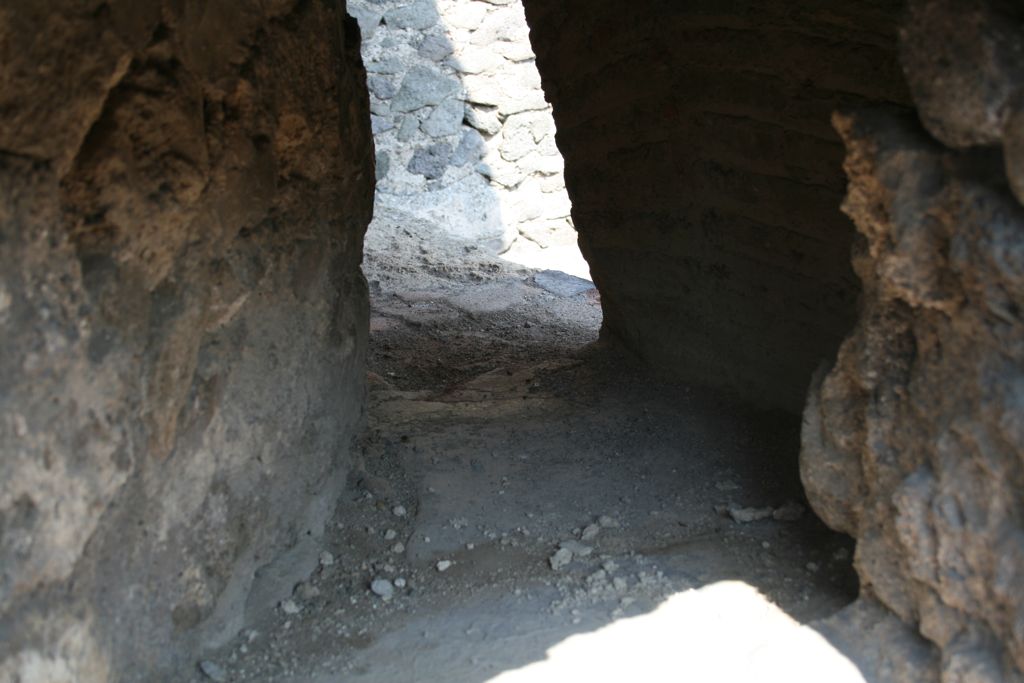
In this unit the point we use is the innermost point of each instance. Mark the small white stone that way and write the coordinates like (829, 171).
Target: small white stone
(747, 515)
(326, 559)
(398, 548)
(470, 546)
(560, 559)
(400, 582)
(289, 606)
(590, 532)
(213, 671)
(444, 565)
(399, 511)
(382, 588)
(390, 535)
(576, 548)
(607, 522)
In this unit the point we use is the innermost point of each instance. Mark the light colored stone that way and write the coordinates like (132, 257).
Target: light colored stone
(434, 48)
(418, 15)
(213, 671)
(475, 60)
(465, 15)
(560, 559)
(382, 588)
(421, 87)
(576, 548)
(445, 120)
(747, 515)
(484, 120)
(367, 18)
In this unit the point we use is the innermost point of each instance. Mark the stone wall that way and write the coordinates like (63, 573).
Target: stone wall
(705, 177)
(183, 192)
(914, 440)
(464, 136)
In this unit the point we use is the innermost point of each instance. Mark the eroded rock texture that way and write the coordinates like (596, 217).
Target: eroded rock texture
(706, 179)
(913, 441)
(183, 192)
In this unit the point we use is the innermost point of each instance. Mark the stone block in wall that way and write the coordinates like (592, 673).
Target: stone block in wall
(434, 47)
(423, 86)
(466, 15)
(466, 105)
(418, 15)
(484, 119)
(445, 120)
(431, 161)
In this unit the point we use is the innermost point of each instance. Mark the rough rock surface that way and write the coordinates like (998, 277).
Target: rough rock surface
(705, 177)
(459, 76)
(964, 62)
(913, 441)
(183, 193)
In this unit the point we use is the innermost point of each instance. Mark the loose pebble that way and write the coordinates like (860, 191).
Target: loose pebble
(576, 548)
(326, 559)
(560, 559)
(747, 515)
(290, 607)
(213, 671)
(382, 588)
(444, 565)
(399, 511)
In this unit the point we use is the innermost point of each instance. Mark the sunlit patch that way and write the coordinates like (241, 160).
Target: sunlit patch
(724, 632)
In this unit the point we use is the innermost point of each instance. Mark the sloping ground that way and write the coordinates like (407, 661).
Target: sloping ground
(518, 488)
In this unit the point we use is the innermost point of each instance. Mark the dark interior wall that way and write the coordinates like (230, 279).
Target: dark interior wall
(184, 188)
(705, 176)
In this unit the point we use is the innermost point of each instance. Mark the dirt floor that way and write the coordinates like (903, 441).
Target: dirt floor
(531, 506)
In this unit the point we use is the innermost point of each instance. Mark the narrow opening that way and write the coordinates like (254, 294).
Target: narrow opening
(530, 502)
